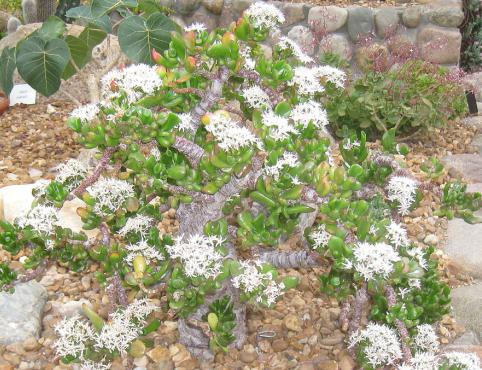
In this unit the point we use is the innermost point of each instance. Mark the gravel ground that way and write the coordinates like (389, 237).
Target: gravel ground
(305, 322)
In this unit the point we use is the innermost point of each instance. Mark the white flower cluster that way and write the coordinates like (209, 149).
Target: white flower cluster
(198, 254)
(403, 190)
(142, 248)
(72, 171)
(41, 218)
(430, 361)
(252, 279)
(195, 27)
(186, 123)
(138, 224)
(309, 80)
(320, 237)
(249, 62)
(76, 335)
(110, 194)
(264, 15)
(426, 339)
(40, 186)
(285, 43)
(86, 113)
(256, 97)
(397, 235)
(310, 112)
(373, 260)
(229, 135)
(288, 159)
(334, 75)
(379, 344)
(279, 127)
(418, 255)
(136, 81)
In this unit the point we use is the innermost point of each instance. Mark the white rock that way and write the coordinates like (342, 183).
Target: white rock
(70, 308)
(17, 200)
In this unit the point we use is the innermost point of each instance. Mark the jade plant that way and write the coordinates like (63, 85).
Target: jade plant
(238, 143)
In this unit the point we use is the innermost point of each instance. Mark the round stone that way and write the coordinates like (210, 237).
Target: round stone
(411, 16)
(214, 6)
(303, 36)
(386, 21)
(446, 17)
(294, 13)
(337, 44)
(360, 23)
(327, 18)
(203, 16)
(185, 7)
(439, 46)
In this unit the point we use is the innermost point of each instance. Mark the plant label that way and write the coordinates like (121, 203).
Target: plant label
(22, 94)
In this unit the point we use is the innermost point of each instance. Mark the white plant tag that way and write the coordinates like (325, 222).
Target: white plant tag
(22, 94)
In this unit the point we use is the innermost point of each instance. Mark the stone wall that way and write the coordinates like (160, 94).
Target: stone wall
(428, 28)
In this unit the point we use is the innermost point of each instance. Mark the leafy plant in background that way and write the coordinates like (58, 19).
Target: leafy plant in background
(456, 202)
(417, 95)
(471, 28)
(48, 55)
(238, 144)
(10, 5)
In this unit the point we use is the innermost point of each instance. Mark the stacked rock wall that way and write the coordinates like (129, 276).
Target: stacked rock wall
(428, 27)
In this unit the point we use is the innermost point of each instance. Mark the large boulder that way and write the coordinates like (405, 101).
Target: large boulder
(440, 45)
(327, 18)
(467, 307)
(21, 312)
(360, 23)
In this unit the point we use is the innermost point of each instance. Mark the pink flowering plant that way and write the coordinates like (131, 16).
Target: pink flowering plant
(240, 145)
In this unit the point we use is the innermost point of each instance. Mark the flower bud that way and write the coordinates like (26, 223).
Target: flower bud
(156, 57)
(140, 266)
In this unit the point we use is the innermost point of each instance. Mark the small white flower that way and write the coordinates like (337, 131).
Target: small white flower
(426, 339)
(272, 292)
(264, 15)
(72, 171)
(94, 365)
(414, 283)
(402, 292)
(250, 278)
(249, 62)
(186, 123)
(73, 334)
(422, 361)
(279, 127)
(379, 343)
(40, 186)
(142, 248)
(86, 113)
(229, 135)
(320, 237)
(334, 75)
(397, 235)
(137, 81)
(137, 224)
(307, 80)
(195, 27)
(285, 43)
(139, 309)
(288, 159)
(373, 260)
(419, 256)
(403, 190)
(373, 230)
(465, 361)
(350, 144)
(155, 152)
(256, 97)
(110, 194)
(310, 112)
(42, 219)
(198, 254)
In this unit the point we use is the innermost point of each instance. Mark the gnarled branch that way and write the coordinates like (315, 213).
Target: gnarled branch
(192, 151)
(291, 259)
(399, 324)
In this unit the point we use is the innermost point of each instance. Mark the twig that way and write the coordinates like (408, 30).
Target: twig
(399, 324)
(361, 297)
(291, 259)
(192, 151)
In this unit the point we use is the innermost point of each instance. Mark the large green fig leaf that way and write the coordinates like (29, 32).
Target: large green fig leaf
(92, 35)
(138, 36)
(84, 13)
(102, 7)
(41, 63)
(79, 56)
(7, 66)
(52, 28)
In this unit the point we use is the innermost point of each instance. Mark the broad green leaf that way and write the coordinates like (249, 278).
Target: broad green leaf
(79, 54)
(52, 28)
(84, 13)
(92, 35)
(102, 7)
(138, 36)
(7, 67)
(41, 63)
(149, 6)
